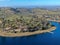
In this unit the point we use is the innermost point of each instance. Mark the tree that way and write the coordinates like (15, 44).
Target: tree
(3, 24)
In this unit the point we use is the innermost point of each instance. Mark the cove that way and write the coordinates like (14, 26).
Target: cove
(40, 39)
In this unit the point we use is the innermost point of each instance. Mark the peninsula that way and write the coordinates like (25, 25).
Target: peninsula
(23, 22)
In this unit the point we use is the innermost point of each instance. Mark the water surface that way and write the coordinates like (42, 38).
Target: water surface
(40, 39)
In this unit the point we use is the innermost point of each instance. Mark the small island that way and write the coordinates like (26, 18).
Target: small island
(24, 26)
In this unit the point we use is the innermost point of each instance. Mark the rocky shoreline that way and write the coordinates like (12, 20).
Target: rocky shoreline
(5, 34)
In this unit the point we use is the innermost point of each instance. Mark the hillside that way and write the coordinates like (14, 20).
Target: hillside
(10, 13)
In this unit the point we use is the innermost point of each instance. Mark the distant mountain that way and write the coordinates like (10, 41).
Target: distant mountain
(43, 10)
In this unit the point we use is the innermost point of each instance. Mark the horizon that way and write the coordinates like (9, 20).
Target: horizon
(26, 3)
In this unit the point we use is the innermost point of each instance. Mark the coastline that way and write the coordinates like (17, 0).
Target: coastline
(54, 20)
(5, 34)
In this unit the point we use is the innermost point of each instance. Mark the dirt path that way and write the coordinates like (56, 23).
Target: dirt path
(26, 33)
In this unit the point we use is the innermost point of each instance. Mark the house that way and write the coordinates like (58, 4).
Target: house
(0, 21)
(24, 28)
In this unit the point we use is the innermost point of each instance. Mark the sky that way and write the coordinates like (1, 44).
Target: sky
(29, 2)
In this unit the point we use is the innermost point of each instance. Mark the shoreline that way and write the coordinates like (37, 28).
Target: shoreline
(54, 20)
(5, 34)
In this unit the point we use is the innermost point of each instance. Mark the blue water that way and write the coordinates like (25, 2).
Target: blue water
(40, 39)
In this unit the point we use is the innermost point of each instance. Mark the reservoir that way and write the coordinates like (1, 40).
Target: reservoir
(52, 38)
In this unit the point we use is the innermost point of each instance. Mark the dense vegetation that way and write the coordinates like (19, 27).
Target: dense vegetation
(23, 20)
(24, 24)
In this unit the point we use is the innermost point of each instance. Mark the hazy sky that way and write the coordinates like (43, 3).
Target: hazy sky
(29, 2)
